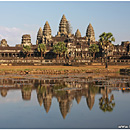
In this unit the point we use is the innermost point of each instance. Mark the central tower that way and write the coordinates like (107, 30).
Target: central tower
(62, 26)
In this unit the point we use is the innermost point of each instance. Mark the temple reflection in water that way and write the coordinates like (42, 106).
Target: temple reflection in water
(66, 90)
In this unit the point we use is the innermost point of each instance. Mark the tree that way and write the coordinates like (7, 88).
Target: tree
(26, 50)
(105, 41)
(68, 27)
(42, 49)
(93, 49)
(60, 48)
(107, 104)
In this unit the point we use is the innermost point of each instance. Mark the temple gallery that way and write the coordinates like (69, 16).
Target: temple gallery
(73, 48)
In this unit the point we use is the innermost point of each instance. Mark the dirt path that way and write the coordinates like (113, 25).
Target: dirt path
(60, 67)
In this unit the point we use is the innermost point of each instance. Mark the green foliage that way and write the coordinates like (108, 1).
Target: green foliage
(94, 48)
(41, 48)
(61, 93)
(58, 89)
(27, 69)
(60, 48)
(106, 39)
(106, 104)
(26, 49)
(93, 89)
(26, 88)
(41, 89)
(59, 86)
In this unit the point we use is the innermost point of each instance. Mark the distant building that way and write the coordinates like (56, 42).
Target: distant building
(78, 47)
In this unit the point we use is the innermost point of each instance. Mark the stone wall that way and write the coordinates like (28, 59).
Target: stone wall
(58, 62)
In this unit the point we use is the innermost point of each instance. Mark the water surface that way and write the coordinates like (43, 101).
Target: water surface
(64, 101)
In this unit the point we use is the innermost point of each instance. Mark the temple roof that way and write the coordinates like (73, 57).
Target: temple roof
(26, 36)
(40, 32)
(90, 101)
(90, 33)
(63, 18)
(62, 26)
(77, 34)
(46, 29)
(90, 30)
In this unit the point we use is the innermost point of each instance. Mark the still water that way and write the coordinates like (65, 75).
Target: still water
(64, 101)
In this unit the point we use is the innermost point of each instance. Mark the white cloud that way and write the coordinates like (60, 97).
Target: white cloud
(13, 35)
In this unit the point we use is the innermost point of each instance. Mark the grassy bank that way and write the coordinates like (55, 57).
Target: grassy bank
(58, 69)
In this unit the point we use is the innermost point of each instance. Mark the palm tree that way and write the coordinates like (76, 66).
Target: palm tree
(26, 50)
(107, 104)
(60, 48)
(42, 49)
(93, 49)
(64, 49)
(105, 41)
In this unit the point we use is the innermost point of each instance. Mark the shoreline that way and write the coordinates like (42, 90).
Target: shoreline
(59, 69)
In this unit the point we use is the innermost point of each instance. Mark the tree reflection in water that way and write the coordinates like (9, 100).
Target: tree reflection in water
(65, 93)
(105, 103)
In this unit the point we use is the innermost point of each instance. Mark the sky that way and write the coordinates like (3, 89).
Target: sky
(18, 18)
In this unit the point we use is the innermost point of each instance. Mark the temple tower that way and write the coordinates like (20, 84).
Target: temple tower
(47, 30)
(90, 35)
(46, 33)
(40, 99)
(64, 107)
(39, 36)
(90, 101)
(26, 40)
(62, 26)
(26, 93)
(78, 96)
(47, 102)
(4, 43)
(77, 34)
(3, 92)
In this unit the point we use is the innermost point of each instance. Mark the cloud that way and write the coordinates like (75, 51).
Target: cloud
(13, 35)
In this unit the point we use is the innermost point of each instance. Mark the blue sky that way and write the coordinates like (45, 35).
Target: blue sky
(18, 18)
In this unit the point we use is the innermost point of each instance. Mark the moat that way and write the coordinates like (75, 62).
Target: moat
(64, 101)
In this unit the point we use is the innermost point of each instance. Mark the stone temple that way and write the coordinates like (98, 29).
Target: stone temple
(90, 33)
(62, 26)
(77, 45)
(77, 34)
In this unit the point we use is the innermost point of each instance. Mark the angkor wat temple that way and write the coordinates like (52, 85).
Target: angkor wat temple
(78, 48)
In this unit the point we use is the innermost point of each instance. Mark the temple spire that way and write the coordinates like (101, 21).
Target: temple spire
(62, 26)
(39, 36)
(77, 34)
(47, 29)
(90, 33)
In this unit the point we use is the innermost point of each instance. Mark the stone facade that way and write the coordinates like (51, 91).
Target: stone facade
(44, 36)
(62, 26)
(90, 35)
(78, 47)
(47, 30)
(39, 36)
(77, 34)
(26, 40)
(4, 43)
